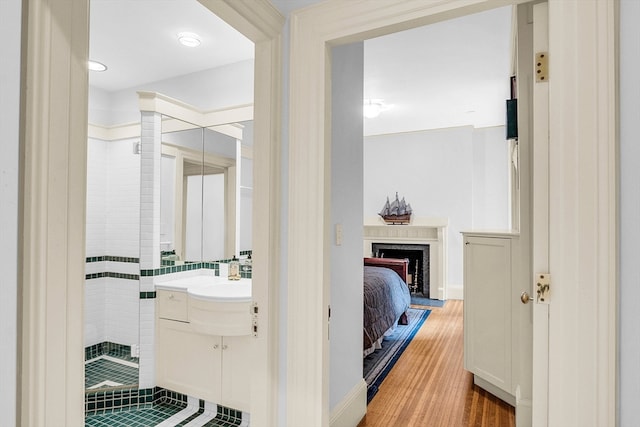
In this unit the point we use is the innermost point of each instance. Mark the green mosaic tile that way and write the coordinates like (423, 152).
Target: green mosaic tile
(147, 295)
(139, 417)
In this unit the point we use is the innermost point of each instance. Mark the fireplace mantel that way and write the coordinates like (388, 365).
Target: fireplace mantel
(430, 231)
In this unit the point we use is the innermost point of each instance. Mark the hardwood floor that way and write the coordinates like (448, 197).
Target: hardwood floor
(428, 386)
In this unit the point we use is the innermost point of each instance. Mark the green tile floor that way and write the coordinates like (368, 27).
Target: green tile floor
(140, 417)
(152, 416)
(99, 370)
(105, 369)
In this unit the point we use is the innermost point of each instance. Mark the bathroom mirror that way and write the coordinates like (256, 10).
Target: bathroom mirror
(201, 196)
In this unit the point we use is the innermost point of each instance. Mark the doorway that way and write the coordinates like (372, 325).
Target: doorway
(308, 198)
(62, 107)
(418, 163)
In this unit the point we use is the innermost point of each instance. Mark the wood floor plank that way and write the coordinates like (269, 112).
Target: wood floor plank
(428, 386)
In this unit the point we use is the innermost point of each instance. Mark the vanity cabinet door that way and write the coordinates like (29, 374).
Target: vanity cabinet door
(188, 362)
(236, 372)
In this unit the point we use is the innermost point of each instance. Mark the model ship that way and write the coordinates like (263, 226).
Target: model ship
(396, 212)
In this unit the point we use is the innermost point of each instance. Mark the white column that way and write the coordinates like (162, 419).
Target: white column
(150, 162)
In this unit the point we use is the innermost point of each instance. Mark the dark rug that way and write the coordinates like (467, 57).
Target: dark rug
(417, 299)
(377, 365)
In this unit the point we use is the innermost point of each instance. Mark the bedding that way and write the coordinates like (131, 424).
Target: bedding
(386, 298)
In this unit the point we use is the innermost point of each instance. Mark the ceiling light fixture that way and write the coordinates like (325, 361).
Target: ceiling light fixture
(373, 107)
(189, 39)
(96, 66)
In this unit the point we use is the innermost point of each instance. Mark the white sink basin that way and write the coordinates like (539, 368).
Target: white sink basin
(215, 305)
(213, 288)
(223, 290)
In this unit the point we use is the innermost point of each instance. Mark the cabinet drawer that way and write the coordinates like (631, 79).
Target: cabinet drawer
(172, 305)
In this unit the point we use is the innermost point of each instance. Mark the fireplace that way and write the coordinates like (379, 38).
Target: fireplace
(418, 256)
(421, 233)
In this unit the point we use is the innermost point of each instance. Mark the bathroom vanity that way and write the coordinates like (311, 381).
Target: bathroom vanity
(203, 337)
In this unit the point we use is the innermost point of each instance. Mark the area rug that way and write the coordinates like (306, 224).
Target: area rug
(421, 300)
(377, 365)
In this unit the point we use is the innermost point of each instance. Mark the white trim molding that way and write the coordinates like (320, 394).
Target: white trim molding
(54, 116)
(352, 408)
(261, 22)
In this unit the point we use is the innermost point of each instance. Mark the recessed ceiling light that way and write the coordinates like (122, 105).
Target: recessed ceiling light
(189, 39)
(97, 66)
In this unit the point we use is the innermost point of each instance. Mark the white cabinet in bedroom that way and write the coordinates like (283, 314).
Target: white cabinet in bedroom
(488, 330)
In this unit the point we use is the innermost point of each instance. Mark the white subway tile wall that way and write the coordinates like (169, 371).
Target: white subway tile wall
(94, 311)
(122, 307)
(113, 229)
(123, 206)
(147, 343)
(150, 161)
(96, 197)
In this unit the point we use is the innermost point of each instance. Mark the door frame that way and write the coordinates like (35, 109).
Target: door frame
(576, 127)
(53, 195)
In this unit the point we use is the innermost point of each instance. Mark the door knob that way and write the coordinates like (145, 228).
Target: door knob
(524, 297)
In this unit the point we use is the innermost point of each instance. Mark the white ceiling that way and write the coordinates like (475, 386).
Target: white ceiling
(447, 74)
(137, 41)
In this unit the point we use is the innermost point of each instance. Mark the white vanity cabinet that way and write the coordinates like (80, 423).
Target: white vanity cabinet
(210, 367)
(488, 333)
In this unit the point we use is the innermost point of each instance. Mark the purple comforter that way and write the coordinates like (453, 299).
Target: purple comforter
(386, 297)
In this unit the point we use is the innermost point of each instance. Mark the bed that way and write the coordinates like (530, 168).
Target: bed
(386, 299)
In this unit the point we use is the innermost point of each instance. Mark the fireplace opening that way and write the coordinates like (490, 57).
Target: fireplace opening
(418, 256)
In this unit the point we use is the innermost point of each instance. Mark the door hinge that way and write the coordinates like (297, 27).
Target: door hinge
(543, 287)
(542, 67)
(254, 319)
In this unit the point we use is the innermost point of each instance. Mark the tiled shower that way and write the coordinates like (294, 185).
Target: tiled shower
(112, 250)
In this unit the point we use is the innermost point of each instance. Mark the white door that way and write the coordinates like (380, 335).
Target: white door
(540, 221)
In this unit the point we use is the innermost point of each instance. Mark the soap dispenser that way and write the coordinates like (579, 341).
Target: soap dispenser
(234, 269)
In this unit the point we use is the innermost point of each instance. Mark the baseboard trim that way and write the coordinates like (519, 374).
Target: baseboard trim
(455, 292)
(524, 410)
(352, 409)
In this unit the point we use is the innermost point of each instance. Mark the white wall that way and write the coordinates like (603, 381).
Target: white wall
(10, 27)
(444, 173)
(346, 299)
(629, 384)
(490, 193)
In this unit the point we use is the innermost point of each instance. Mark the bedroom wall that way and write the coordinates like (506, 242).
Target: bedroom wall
(458, 173)
(629, 340)
(346, 298)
